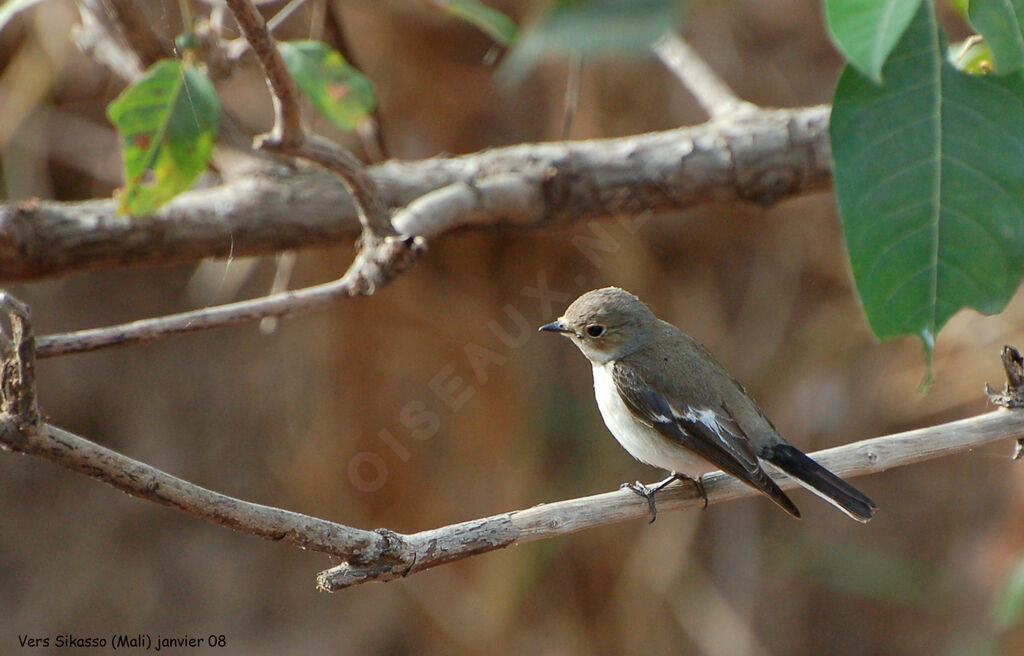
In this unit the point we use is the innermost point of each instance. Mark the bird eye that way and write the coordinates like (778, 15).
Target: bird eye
(595, 330)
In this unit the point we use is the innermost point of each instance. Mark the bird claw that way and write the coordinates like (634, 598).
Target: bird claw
(648, 491)
(699, 484)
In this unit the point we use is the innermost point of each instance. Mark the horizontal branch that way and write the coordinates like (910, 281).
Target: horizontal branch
(371, 266)
(773, 155)
(420, 551)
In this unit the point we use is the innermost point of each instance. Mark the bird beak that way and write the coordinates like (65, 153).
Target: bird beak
(554, 327)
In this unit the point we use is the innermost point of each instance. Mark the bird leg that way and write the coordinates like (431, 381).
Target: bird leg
(648, 491)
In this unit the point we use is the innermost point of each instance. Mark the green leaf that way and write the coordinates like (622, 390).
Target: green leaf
(1008, 608)
(999, 21)
(338, 91)
(593, 27)
(930, 186)
(167, 121)
(866, 31)
(11, 8)
(495, 24)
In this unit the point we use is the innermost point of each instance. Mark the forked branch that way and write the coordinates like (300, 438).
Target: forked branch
(377, 262)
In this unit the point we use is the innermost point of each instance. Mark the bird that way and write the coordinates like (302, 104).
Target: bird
(670, 404)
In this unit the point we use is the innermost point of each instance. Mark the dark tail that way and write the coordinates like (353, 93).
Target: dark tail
(821, 481)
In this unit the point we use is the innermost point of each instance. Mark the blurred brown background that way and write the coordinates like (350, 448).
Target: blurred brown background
(287, 419)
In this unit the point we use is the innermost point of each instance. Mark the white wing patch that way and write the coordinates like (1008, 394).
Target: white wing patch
(710, 418)
(724, 427)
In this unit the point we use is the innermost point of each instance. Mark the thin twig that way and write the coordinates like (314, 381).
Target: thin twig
(383, 253)
(287, 132)
(372, 267)
(373, 215)
(713, 94)
(288, 136)
(284, 14)
(145, 482)
(22, 431)
(571, 103)
(285, 266)
(100, 37)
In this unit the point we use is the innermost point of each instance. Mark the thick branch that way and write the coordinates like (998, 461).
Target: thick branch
(775, 155)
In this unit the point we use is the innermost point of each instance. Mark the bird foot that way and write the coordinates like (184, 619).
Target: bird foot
(648, 491)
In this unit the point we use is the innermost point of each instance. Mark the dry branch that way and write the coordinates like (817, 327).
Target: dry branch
(523, 185)
(288, 137)
(412, 553)
(382, 554)
(774, 155)
(713, 94)
(745, 152)
(388, 257)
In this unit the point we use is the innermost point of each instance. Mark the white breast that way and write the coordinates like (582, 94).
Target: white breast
(641, 440)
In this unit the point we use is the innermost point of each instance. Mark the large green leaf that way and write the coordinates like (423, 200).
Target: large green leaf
(338, 91)
(929, 178)
(497, 25)
(999, 21)
(167, 120)
(593, 27)
(866, 31)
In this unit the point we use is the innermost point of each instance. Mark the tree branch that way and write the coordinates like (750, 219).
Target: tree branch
(528, 186)
(371, 265)
(287, 133)
(766, 156)
(713, 94)
(776, 155)
(438, 546)
(383, 555)
(288, 136)
(383, 253)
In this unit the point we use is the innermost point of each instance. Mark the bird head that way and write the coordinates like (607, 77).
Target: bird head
(606, 324)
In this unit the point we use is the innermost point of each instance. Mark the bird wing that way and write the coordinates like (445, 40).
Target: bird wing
(711, 432)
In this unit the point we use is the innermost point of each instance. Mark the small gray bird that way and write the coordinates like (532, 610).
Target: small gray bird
(670, 404)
